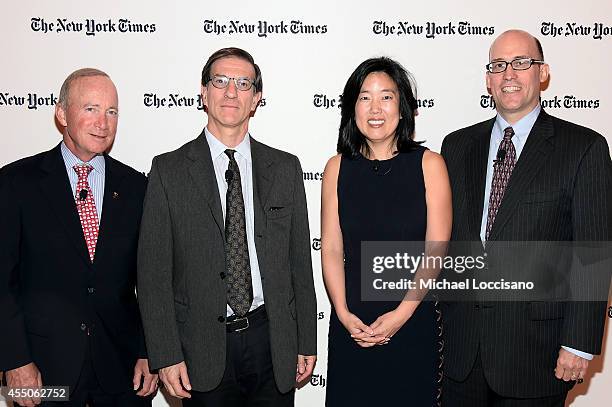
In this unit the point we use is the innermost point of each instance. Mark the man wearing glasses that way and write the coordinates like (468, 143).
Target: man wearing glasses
(224, 273)
(523, 176)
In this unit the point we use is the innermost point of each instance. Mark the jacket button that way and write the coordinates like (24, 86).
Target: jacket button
(91, 290)
(222, 275)
(221, 318)
(83, 327)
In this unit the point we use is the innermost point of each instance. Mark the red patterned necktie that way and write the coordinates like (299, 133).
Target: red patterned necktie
(502, 170)
(86, 208)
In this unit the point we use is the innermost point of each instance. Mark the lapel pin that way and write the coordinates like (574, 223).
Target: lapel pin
(115, 195)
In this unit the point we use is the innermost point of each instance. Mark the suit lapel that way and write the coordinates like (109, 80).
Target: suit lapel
(262, 174)
(537, 147)
(476, 174)
(56, 188)
(202, 173)
(263, 179)
(112, 206)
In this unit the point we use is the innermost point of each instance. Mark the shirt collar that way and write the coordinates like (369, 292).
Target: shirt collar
(522, 128)
(217, 148)
(70, 160)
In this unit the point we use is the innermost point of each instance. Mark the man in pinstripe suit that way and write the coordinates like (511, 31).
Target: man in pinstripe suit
(557, 187)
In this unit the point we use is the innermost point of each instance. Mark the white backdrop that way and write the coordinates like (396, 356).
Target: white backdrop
(154, 51)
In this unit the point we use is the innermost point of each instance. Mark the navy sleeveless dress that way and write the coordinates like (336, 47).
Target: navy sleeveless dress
(385, 203)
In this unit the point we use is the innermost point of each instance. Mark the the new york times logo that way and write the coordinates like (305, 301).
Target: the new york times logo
(32, 101)
(263, 28)
(565, 102)
(318, 380)
(312, 175)
(323, 101)
(90, 26)
(176, 100)
(430, 29)
(596, 30)
(316, 243)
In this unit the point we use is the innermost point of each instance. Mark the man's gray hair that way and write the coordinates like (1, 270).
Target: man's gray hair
(79, 73)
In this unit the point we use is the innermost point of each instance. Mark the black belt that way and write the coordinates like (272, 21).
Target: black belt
(236, 323)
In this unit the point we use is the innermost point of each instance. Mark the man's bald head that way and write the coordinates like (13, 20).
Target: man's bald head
(518, 35)
(516, 91)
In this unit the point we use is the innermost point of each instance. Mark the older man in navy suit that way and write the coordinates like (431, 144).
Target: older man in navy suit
(69, 222)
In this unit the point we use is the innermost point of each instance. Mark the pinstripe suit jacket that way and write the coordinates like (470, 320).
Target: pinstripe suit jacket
(181, 262)
(560, 190)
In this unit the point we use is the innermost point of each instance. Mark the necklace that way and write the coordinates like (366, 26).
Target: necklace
(382, 168)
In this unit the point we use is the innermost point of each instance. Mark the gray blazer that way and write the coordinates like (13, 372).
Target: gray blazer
(181, 258)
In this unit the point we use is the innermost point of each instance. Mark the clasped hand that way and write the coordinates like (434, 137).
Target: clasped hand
(379, 332)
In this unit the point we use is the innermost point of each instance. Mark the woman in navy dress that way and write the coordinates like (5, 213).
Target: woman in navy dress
(382, 186)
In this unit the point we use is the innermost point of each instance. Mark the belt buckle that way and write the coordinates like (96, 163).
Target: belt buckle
(245, 318)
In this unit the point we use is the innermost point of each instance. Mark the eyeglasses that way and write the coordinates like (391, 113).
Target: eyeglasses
(518, 64)
(221, 82)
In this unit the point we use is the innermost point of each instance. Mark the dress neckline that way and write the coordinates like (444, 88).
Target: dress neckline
(381, 161)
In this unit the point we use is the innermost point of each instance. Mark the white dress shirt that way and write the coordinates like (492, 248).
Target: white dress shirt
(245, 165)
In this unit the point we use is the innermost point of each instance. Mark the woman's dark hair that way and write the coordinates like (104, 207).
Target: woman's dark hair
(350, 140)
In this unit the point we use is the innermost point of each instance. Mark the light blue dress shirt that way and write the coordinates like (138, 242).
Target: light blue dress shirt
(95, 178)
(245, 165)
(522, 128)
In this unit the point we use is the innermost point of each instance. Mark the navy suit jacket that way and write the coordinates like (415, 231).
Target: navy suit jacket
(53, 299)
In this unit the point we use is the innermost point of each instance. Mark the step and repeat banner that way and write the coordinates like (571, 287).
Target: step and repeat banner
(155, 50)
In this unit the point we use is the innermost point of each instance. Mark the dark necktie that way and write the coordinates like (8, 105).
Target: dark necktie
(239, 284)
(502, 170)
(87, 208)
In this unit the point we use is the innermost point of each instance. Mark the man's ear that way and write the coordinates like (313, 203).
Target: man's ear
(544, 72)
(60, 114)
(203, 93)
(256, 99)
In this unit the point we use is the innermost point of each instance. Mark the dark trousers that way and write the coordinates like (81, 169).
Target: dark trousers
(88, 391)
(248, 379)
(475, 392)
